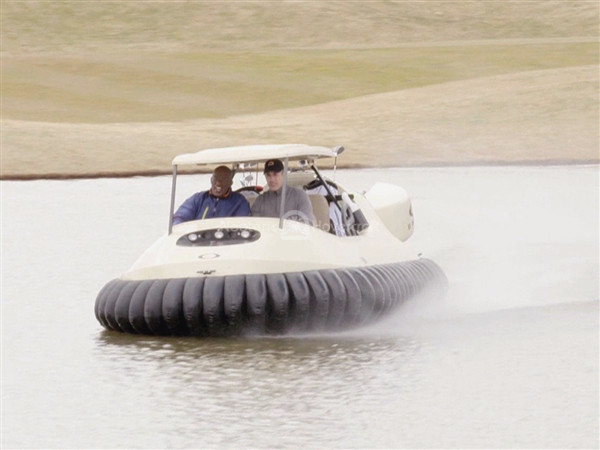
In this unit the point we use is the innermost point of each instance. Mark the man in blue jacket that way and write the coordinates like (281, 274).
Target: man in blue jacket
(218, 201)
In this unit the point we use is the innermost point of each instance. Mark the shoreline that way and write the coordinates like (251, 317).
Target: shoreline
(159, 173)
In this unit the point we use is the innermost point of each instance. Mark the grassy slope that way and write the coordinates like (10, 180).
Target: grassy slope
(92, 87)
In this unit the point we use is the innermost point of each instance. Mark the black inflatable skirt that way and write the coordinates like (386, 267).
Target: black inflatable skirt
(279, 303)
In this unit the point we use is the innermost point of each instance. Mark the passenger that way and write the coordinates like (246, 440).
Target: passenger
(218, 201)
(297, 203)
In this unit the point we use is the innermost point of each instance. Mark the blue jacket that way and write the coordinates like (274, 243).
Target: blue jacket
(202, 205)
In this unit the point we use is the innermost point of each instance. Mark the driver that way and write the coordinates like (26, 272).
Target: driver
(218, 201)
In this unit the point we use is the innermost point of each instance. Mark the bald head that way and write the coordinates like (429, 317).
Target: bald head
(221, 181)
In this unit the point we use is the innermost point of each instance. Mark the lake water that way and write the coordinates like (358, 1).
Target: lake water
(508, 358)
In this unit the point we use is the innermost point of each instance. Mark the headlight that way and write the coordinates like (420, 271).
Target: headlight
(219, 236)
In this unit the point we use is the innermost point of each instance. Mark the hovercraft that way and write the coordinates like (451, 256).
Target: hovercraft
(262, 275)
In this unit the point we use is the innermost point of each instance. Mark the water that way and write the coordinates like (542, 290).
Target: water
(509, 358)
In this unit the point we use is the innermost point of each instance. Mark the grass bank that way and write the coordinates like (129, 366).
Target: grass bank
(96, 88)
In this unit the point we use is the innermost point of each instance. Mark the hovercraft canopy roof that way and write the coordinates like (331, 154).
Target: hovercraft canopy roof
(256, 153)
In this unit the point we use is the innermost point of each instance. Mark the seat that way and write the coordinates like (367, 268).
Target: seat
(320, 209)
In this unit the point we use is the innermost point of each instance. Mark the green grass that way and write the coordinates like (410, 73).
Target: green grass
(72, 62)
(115, 61)
(156, 86)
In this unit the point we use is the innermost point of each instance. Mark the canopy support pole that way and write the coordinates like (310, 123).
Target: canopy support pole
(283, 191)
(171, 211)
